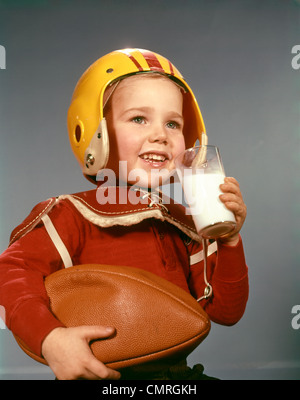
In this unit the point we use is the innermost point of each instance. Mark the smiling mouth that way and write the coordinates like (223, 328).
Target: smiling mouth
(151, 157)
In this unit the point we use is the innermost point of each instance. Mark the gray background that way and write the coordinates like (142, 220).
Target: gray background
(236, 55)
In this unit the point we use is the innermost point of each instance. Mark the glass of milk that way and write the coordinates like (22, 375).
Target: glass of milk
(201, 172)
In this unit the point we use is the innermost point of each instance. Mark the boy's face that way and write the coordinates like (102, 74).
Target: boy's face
(145, 126)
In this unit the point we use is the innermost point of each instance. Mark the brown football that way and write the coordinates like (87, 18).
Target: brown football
(155, 320)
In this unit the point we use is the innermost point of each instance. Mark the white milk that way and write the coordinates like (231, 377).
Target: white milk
(202, 193)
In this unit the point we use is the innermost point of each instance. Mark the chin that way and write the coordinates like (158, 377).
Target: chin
(150, 179)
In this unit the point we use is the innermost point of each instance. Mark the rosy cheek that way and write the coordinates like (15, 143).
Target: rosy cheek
(180, 146)
(128, 154)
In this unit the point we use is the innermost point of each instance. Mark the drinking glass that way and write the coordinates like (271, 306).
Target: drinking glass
(201, 172)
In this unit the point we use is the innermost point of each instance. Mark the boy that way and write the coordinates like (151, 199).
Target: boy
(131, 111)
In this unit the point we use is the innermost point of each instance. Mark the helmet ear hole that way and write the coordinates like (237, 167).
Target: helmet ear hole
(78, 133)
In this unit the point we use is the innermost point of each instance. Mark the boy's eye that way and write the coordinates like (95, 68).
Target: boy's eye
(138, 120)
(173, 125)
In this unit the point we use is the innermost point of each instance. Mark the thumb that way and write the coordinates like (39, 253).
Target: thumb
(94, 332)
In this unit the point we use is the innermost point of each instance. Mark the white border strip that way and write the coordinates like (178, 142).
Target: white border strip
(196, 258)
(58, 243)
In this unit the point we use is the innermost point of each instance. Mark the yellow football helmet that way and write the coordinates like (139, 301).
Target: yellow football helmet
(86, 124)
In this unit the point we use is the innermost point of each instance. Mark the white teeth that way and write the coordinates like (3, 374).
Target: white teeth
(155, 157)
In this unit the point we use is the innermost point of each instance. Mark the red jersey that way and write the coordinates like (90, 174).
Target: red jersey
(150, 235)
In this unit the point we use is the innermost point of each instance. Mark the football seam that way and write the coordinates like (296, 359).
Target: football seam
(144, 357)
(148, 284)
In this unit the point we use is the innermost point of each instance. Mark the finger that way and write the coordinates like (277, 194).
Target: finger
(234, 203)
(234, 207)
(91, 367)
(97, 370)
(97, 374)
(94, 332)
(231, 179)
(238, 211)
(230, 188)
(231, 197)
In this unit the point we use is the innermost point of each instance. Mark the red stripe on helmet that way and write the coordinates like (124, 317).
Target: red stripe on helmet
(171, 68)
(152, 61)
(137, 64)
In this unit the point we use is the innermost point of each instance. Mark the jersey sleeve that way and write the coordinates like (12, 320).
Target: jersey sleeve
(227, 273)
(23, 268)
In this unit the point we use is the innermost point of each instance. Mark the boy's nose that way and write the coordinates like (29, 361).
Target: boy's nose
(158, 135)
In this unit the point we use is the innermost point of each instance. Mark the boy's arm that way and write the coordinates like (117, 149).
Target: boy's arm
(24, 297)
(227, 273)
(23, 267)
